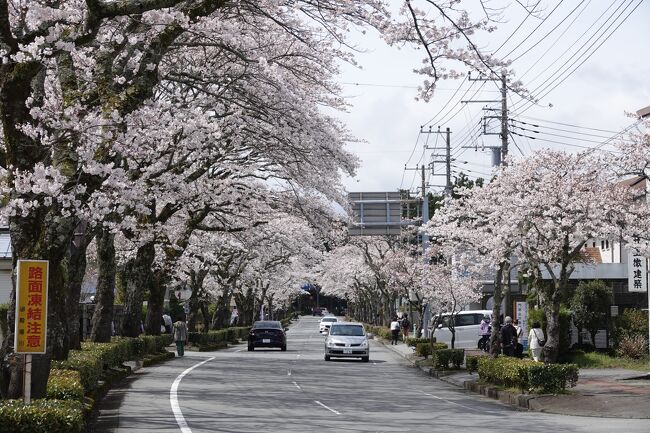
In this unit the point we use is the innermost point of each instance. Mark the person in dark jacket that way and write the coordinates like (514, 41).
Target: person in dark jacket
(508, 337)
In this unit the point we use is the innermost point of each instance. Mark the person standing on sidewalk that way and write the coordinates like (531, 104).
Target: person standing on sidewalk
(485, 330)
(406, 327)
(536, 341)
(508, 337)
(394, 330)
(180, 335)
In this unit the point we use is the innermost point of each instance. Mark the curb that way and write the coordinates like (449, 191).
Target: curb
(519, 400)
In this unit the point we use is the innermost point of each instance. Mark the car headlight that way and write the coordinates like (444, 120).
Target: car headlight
(364, 343)
(330, 343)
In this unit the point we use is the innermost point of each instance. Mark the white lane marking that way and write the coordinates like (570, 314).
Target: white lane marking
(296, 385)
(374, 363)
(451, 402)
(288, 372)
(239, 350)
(328, 408)
(298, 356)
(173, 398)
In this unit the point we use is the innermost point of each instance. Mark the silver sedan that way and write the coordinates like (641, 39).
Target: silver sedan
(347, 340)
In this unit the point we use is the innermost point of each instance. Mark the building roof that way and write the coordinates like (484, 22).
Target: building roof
(592, 255)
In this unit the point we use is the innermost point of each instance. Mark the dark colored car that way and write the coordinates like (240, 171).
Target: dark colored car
(267, 333)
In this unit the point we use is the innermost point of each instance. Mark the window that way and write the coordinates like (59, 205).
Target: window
(347, 330)
(465, 319)
(267, 325)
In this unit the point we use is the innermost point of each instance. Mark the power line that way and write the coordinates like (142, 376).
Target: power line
(547, 34)
(535, 29)
(562, 70)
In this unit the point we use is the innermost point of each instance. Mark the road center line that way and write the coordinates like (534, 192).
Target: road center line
(297, 386)
(173, 397)
(328, 408)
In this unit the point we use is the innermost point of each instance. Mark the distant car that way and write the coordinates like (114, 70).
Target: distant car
(267, 333)
(317, 312)
(347, 340)
(325, 323)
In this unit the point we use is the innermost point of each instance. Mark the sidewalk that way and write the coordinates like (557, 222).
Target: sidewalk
(608, 393)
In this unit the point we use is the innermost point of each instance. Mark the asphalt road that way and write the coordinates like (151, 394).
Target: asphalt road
(297, 391)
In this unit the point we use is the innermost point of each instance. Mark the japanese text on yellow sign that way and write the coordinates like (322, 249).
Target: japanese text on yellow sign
(31, 306)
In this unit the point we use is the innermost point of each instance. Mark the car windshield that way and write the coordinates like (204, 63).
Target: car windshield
(351, 330)
(329, 319)
(267, 324)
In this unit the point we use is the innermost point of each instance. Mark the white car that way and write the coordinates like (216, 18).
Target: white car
(347, 340)
(325, 323)
(467, 324)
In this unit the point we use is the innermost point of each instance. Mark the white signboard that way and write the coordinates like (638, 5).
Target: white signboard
(521, 313)
(637, 279)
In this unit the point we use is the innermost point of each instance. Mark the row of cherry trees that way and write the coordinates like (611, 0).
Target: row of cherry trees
(536, 217)
(185, 141)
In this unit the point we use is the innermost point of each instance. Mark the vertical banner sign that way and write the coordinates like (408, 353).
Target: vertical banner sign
(637, 280)
(521, 309)
(31, 307)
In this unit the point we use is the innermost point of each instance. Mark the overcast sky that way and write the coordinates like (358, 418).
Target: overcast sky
(591, 102)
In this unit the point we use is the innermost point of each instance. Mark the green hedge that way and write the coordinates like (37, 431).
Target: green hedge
(415, 341)
(219, 337)
(41, 416)
(471, 363)
(442, 358)
(527, 375)
(94, 358)
(427, 348)
(65, 385)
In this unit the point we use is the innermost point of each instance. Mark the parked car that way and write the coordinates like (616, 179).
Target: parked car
(466, 325)
(267, 333)
(347, 340)
(325, 323)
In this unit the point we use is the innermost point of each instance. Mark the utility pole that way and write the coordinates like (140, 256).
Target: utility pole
(504, 119)
(499, 153)
(447, 158)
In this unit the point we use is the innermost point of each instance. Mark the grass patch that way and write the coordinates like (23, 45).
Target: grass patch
(602, 360)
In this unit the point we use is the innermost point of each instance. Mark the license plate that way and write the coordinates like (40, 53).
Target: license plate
(347, 351)
(266, 340)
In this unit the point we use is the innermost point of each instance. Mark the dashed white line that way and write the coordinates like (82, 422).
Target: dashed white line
(173, 398)
(296, 385)
(450, 402)
(239, 350)
(288, 372)
(328, 408)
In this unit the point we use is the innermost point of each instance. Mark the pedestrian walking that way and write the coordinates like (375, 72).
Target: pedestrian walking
(519, 348)
(394, 330)
(234, 316)
(484, 331)
(167, 322)
(508, 337)
(536, 341)
(406, 327)
(180, 335)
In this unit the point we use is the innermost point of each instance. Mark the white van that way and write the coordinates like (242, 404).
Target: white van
(467, 328)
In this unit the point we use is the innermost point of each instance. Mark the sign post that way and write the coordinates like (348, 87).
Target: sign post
(30, 334)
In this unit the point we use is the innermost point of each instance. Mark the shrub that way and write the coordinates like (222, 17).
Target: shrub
(65, 385)
(88, 365)
(423, 349)
(630, 323)
(426, 348)
(632, 346)
(527, 375)
(414, 341)
(41, 416)
(218, 337)
(471, 363)
(443, 357)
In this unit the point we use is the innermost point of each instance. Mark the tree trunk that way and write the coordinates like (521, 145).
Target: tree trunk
(495, 338)
(137, 274)
(221, 315)
(102, 320)
(206, 316)
(76, 269)
(155, 303)
(552, 346)
(194, 309)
